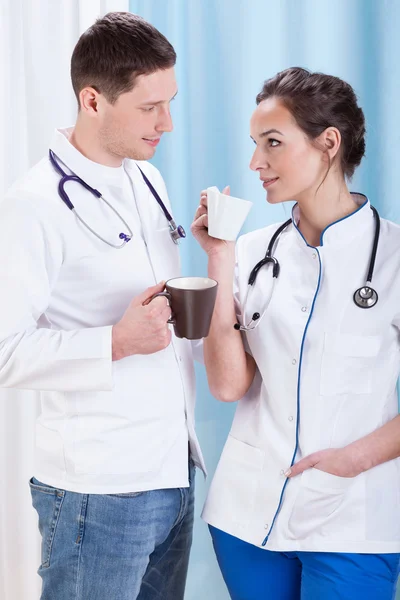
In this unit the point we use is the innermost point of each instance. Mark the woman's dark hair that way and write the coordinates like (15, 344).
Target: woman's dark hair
(318, 101)
(114, 51)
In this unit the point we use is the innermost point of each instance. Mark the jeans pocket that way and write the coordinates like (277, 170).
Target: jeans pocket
(47, 501)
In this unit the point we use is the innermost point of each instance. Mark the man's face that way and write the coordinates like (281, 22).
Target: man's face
(132, 127)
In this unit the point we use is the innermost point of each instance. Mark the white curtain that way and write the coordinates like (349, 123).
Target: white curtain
(36, 41)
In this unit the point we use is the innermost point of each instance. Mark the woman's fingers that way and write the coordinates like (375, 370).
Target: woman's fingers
(201, 210)
(203, 199)
(200, 223)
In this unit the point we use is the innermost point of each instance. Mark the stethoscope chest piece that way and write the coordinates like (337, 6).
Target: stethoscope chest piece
(177, 232)
(365, 297)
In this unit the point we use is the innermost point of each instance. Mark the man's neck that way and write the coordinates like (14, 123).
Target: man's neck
(86, 142)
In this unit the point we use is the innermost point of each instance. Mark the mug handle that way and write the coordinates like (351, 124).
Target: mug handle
(167, 295)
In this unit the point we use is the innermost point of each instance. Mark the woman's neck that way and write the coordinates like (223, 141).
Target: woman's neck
(318, 210)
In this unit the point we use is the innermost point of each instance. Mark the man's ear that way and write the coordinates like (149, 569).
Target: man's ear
(89, 100)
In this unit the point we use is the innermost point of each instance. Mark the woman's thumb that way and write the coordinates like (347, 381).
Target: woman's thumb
(227, 190)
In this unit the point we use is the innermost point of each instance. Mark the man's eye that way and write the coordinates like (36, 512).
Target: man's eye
(149, 108)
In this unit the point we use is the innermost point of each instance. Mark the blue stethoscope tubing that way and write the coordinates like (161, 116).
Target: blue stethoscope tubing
(176, 232)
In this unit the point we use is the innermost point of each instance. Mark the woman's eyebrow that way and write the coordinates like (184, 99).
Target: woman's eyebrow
(264, 133)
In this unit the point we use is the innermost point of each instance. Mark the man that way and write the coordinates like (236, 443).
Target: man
(113, 485)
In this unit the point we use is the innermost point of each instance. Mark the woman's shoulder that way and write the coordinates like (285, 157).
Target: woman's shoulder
(259, 237)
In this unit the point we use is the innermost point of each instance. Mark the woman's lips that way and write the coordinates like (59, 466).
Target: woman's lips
(269, 182)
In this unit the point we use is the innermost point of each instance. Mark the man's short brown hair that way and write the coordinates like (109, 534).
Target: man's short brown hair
(114, 51)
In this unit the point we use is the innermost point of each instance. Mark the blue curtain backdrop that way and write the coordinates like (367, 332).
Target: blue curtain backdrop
(226, 48)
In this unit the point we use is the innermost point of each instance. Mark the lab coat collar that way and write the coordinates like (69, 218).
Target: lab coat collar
(346, 229)
(95, 174)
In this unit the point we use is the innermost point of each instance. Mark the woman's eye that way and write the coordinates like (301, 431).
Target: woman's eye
(274, 142)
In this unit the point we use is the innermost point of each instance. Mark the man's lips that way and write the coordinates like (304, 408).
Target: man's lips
(152, 141)
(267, 182)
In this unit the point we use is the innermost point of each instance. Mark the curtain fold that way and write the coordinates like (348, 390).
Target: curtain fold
(36, 41)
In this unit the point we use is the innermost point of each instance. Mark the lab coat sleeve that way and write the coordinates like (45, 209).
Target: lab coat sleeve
(198, 351)
(32, 357)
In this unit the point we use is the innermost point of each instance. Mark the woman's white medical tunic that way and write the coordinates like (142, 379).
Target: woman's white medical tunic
(327, 374)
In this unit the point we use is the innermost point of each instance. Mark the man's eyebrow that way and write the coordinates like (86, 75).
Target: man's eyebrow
(159, 102)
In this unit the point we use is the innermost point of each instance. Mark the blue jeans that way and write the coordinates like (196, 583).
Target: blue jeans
(252, 573)
(116, 546)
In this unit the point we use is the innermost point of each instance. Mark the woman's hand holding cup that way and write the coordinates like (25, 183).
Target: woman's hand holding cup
(199, 228)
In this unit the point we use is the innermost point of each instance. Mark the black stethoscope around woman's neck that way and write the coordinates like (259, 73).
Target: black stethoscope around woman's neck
(176, 232)
(363, 297)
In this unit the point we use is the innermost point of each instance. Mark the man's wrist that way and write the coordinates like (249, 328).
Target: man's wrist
(117, 351)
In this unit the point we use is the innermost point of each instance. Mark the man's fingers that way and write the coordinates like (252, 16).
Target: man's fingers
(166, 314)
(146, 296)
(158, 303)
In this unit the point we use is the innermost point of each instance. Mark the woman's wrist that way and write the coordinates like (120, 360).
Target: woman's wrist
(221, 261)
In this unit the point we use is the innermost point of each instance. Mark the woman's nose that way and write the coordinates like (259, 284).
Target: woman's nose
(258, 160)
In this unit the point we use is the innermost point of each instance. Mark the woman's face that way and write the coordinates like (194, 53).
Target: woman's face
(288, 165)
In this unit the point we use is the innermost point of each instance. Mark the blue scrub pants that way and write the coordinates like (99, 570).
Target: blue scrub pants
(252, 573)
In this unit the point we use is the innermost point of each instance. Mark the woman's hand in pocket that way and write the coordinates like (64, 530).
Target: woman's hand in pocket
(342, 462)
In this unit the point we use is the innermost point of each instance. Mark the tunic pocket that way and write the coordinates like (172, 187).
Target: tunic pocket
(234, 487)
(320, 497)
(347, 363)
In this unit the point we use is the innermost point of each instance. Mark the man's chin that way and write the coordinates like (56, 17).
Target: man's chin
(145, 152)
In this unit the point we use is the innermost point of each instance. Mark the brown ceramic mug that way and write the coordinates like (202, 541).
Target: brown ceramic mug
(192, 301)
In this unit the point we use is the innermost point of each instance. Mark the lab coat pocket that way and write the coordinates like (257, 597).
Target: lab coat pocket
(318, 502)
(347, 363)
(234, 487)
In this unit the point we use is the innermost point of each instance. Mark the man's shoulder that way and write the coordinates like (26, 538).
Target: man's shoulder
(38, 181)
(35, 190)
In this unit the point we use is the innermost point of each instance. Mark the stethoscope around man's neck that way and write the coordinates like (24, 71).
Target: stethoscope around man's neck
(176, 232)
(363, 297)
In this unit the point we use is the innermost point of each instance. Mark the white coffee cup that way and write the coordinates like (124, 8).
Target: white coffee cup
(226, 214)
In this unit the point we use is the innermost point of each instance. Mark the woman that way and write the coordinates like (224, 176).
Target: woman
(305, 501)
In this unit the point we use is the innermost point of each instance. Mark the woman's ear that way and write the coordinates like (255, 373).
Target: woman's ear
(330, 141)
